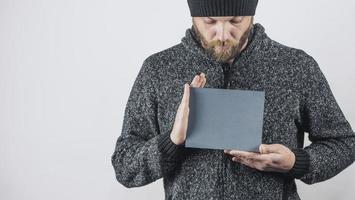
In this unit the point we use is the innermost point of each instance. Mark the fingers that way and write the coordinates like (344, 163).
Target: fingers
(195, 81)
(204, 80)
(247, 155)
(270, 148)
(199, 80)
(256, 164)
(253, 156)
(263, 162)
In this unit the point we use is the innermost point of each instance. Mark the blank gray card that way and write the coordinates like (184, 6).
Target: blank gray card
(225, 119)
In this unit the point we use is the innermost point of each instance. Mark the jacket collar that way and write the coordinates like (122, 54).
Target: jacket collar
(190, 42)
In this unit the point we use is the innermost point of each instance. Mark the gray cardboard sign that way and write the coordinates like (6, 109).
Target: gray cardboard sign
(225, 119)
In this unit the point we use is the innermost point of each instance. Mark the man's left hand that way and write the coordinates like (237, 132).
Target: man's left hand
(271, 157)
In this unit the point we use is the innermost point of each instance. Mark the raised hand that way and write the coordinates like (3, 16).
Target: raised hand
(178, 134)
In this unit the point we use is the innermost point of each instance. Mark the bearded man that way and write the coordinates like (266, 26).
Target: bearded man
(224, 48)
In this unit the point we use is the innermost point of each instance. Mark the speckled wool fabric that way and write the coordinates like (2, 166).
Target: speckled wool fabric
(298, 99)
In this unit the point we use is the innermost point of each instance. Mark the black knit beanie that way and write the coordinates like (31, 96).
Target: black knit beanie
(203, 8)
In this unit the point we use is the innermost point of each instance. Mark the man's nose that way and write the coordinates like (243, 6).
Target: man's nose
(222, 33)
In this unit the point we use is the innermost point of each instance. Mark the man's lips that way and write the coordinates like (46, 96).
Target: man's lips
(223, 48)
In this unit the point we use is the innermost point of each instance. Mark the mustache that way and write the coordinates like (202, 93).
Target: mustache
(215, 43)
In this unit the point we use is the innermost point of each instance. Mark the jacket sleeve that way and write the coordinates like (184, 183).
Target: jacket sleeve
(143, 154)
(332, 138)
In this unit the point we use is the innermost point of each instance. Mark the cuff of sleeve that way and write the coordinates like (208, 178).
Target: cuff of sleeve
(301, 166)
(169, 149)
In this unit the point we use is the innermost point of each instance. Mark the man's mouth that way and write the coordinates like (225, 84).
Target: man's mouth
(223, 48)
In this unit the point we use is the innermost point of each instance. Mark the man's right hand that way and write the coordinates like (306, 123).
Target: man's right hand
(178, 134)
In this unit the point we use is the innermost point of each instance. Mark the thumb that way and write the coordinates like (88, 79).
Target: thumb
(268, 148)
(186, 96)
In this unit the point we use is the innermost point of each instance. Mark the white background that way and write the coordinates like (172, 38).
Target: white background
(66, 69)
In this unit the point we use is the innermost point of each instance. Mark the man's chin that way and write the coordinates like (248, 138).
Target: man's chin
(220, 57)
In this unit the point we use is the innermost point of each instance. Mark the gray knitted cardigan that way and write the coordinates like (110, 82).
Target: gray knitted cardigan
(298, 99)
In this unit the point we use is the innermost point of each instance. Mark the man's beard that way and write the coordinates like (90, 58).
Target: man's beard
(232, 48)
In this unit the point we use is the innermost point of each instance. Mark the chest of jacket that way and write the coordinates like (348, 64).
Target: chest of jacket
(282, 103)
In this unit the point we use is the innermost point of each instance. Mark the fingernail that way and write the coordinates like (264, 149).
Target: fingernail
(261, 150)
